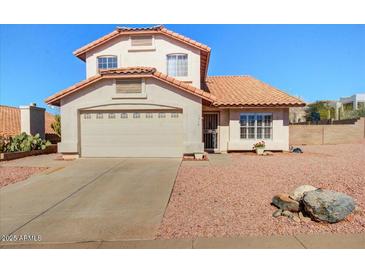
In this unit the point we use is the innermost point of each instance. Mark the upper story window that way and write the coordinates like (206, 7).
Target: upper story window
(177, 64)
(141, 41)
(107, 62)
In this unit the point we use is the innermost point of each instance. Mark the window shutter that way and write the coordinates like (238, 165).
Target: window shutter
(141, 41)
(129, 86)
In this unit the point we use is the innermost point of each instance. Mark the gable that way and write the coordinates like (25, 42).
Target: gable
(204, 51)
(104, 94)
(128, 73)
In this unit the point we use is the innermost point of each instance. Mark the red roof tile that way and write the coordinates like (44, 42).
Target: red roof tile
(247, 91)
(10, 121)
(143, 72)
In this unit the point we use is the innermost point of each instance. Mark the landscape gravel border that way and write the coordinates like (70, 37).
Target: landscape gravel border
(234, 199)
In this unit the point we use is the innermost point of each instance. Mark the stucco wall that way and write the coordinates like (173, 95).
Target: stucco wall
(229, 130)
(155, 57)
(327, 134)
(32, 120)
(158, 95)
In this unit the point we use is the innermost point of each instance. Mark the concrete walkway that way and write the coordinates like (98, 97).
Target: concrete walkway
(90, 200)
(327, 241)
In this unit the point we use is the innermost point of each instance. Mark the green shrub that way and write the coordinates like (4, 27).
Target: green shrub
(56, 125)
(350, 114)
(2, 143)
(23, 142)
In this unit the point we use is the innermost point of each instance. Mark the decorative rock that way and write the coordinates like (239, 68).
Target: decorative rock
(295, 218)
(277, 213)
(327, 205)
(283, 201)
(298, 193)
(304, 218)
(287, 213)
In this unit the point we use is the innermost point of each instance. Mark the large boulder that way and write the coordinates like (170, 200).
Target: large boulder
(284, 202)
(327, 205)
(298, 193)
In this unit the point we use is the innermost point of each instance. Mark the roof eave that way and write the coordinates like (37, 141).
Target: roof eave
(238, 105)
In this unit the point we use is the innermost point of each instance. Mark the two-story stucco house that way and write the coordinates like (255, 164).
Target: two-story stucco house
(147, 94)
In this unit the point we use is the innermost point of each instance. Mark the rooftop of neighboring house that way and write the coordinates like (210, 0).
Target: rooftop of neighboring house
(355, 97)
(10, 121)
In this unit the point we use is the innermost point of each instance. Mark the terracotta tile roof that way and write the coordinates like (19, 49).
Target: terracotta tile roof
(130, 72)
(247, 91)
(205, 50)
(10, 121)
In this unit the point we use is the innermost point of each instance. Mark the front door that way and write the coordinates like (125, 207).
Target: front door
(210, 131)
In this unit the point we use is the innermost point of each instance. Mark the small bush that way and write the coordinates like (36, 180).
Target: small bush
(56, 125)
(23, 142)
(351, 114)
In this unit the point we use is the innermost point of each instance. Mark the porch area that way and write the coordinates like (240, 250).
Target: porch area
(237, 129)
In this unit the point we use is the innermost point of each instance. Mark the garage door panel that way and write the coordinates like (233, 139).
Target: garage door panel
(154, 136)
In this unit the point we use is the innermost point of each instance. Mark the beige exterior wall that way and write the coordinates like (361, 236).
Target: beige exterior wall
(154, 56)
(32, 120)
(229, 129)
(157, 95)
(327, 134)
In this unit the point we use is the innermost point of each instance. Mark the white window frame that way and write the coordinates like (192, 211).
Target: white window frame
(106, 56)
(255, 126)
(177, 73)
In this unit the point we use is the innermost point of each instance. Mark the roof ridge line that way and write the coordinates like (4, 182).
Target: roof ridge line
(155, 27)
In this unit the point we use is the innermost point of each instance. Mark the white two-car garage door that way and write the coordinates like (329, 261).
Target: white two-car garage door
(131, 134)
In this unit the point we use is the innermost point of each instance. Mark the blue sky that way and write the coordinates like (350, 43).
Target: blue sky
(312, 61)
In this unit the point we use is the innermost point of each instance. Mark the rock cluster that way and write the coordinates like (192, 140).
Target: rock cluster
(307, 203)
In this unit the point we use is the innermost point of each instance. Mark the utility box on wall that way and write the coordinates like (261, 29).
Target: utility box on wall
(32, 120)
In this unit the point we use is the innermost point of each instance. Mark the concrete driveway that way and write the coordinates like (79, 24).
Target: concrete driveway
(91, 200)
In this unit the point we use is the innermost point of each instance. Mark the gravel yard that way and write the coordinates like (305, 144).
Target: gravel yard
(10, 175)
(234, 199)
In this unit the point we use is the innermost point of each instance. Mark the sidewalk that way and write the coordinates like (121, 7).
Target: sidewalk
(327, 241)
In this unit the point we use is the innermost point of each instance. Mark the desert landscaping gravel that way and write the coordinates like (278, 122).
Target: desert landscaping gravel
(234, 199)
(11, 175)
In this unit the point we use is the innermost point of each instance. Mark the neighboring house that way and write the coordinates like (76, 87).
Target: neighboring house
(147, 94)
(347, 104)
(354, 102)
(11, 123)
(298, 114)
